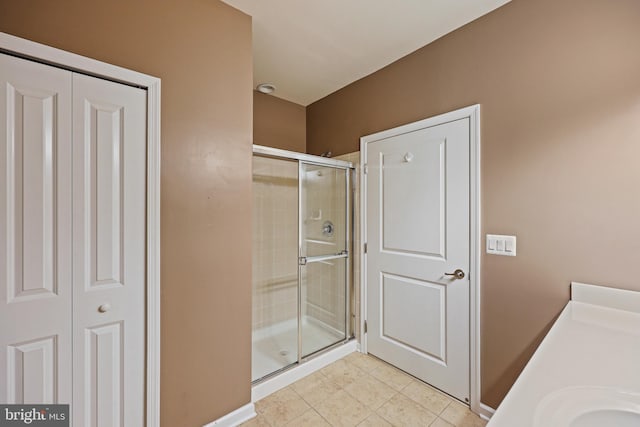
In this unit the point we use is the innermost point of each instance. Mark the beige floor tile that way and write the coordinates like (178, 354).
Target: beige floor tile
(370, 391)
(342, 410)
(391, 376)
(374, 420)
(309, 419)
(365, 362)
(439, 422)
(456, 413)
(426, 396)
(282, 407)
(258, 421)
(344, 394)
(315, 388)
(402, 411)
(472, 420)
(342, 373)
(278, 397)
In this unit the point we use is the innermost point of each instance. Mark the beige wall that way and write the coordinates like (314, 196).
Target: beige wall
(279, 123)
(202, 52)
(559, 85)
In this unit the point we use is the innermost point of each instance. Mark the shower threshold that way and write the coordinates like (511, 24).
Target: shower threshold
(275, 348)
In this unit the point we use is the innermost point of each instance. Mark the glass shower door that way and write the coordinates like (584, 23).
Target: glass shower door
(275, 270)
(323, 262)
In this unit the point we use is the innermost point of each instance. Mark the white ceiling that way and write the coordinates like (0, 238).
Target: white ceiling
(311, 48)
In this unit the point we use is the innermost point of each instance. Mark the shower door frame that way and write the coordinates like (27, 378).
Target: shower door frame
(309, 159)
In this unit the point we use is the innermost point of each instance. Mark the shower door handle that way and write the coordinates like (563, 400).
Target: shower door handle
(303, 260)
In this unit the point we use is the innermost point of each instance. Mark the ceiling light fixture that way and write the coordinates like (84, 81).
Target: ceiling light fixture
(265, 88)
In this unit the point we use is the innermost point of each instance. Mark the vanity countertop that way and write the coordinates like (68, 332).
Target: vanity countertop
(590, 355)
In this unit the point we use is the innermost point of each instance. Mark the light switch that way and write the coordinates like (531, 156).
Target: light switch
(501, 245)
(508, 245)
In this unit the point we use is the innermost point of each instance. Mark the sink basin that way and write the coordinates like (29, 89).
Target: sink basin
(585, 372)
(586, 406)
(607, 417)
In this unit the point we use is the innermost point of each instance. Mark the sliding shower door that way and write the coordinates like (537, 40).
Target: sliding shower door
(323, 262)
(275, 267)
(301, 265)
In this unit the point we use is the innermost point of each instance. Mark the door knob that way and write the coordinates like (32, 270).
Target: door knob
(458, 274)
(104, 308)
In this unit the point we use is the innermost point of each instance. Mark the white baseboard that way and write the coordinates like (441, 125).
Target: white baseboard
(235, 418)
(286, 378)
(486, 411)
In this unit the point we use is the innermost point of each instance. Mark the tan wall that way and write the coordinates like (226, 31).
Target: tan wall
(279, 123)
(559, 86)
(202, 52)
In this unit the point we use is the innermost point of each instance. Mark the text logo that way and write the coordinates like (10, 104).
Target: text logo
(34, 415)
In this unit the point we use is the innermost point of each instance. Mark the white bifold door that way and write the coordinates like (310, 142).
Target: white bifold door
(418, 253)
(72, 243)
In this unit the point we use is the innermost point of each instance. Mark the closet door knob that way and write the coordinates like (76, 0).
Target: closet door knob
(104, 308)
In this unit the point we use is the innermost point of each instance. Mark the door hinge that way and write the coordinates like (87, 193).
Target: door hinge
(365, 248)
(365, 326)
(365, 168)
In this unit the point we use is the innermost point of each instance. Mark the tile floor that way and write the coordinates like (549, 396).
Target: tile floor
(362, 391)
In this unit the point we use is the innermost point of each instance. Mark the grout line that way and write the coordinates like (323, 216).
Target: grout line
(321, 416)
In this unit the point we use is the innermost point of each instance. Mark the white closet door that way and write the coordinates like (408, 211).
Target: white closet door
(109, 134)
(35, 232)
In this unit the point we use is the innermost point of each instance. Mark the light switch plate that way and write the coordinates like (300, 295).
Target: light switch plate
(498, 244)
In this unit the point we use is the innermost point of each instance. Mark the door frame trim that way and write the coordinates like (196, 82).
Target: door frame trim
(52, 56)
(475, 239)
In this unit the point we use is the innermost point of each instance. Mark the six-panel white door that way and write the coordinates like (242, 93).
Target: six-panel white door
(417, 232)
(72, 233)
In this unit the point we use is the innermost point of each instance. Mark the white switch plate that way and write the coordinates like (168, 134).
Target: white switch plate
(501, 245)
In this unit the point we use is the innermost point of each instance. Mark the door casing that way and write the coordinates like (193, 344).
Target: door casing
(35, 51)
(473, 114)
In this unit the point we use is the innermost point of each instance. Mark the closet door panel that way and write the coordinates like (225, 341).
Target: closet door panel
(109, 164)
(35, 232)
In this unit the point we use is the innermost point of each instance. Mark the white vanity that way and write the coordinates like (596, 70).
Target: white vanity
(586, 371)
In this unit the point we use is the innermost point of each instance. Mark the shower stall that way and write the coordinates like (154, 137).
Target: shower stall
(302, 284)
